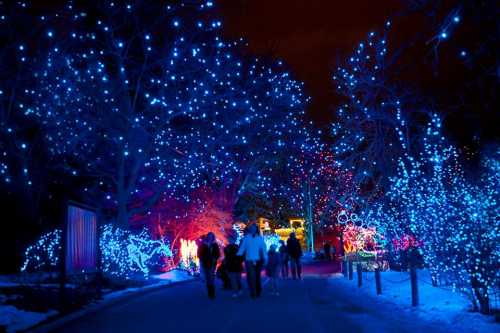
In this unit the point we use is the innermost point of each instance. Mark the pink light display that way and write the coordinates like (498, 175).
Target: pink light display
(406, 242)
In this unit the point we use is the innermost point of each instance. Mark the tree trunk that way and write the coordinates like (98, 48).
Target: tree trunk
(122, 196)
(481, 293)
(309, 213)
(122, 216)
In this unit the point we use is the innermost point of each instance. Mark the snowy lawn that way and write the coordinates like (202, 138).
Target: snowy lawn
(13, 319)
(23, 305)
(436, 303)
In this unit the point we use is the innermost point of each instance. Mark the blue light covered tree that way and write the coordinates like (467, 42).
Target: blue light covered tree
(18, 137)
(414, 183)
(372, 127)
(453, 217)
(149, 107)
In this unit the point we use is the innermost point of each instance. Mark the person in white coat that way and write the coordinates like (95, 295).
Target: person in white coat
(253, 249)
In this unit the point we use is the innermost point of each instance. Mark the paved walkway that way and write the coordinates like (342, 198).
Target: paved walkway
(312, 305)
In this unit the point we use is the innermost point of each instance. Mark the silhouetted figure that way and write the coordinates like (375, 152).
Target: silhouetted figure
(234, 265)
(253, 248)
(327, 248)
(295, 253)
(283, 251)
(208, 253)
(273, 263)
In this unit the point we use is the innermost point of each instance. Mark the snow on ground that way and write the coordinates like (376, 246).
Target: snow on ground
(436, 303)
(175, 275)
(163, 279)
(15, 320)
(6, 284)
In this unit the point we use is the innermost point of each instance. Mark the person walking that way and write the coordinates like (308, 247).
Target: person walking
(283, 252)
(253, 249)
(295, 253)
(209, 253)
(273, 263)
(234, 265)
(327, 248)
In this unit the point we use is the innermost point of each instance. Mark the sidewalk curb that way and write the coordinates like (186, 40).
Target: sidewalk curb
(49, 325)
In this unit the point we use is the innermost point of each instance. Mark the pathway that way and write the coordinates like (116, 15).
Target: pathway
(315, 304)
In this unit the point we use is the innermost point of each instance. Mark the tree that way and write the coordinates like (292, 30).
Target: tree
(149, 109)
(412, 176)
(378, 120)
(433, 201)
(312, 183)
(93, 99)
(180, 219)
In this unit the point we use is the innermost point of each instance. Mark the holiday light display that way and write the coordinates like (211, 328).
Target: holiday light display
(238, 231)
(344, 218)
(175, 110)
(405, 242)
(189, 256)
(272, 239)
(206, 211)
(359, 235)
(297, 225)
(44, 254)
(311, 184)
(420, 197)
(361, 240)
(193, 114)
(123, 253)
(454, 219)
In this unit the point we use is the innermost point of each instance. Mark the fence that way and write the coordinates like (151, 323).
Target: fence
(412, 280)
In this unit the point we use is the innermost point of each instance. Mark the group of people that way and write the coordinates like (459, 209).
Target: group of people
(329, 251)
(252, 255)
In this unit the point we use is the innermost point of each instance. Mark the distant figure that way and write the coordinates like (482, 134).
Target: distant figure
(295, 253)
(253, 248)
(273, 263)
(283, 251)
(234, 265)
(327, 248)
(334, 253)
(208, 253)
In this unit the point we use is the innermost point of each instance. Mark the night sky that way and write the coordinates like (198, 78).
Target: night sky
(312, 36)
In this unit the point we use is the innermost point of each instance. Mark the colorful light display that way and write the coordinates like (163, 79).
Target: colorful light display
(176, 108)
(406, 242)
(362, 240)
(189, 256)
